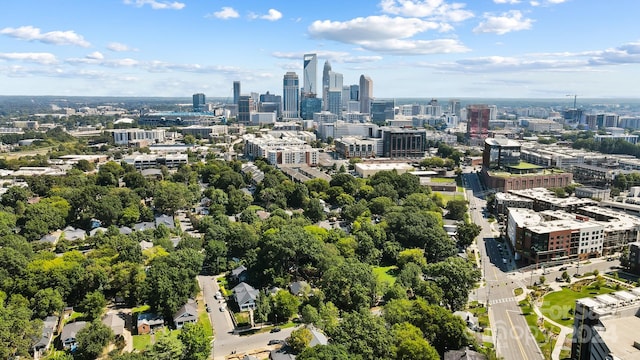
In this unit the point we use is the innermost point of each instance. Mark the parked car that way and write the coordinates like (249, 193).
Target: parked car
(221, 308)
(275, 342)
(275, 329)
(564, 268)
(208, 308)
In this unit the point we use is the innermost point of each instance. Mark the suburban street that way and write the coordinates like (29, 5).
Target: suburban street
(225, 341)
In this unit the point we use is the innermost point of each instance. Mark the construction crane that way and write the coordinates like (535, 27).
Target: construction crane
(575, 109)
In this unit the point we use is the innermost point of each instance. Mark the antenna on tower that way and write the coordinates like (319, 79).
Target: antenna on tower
(575, 109)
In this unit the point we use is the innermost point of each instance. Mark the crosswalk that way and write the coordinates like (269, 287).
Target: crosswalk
(501, 301)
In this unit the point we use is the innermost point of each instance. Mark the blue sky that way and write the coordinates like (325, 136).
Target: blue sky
(410, 48)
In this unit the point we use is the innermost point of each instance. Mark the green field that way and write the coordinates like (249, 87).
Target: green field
(385, 274)
(546, 346)
(556, 305)
(442, 180)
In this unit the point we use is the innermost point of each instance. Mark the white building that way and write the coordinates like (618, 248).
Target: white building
(129, 136)
(263, 118)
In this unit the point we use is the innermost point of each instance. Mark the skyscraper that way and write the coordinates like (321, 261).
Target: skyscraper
(354, 92)
(454, 107)
(236, 92)
(245, 104)
(366, 93)
(198, 102)
(290, 95)
(325, 84)
(310, 74)
(478, 121)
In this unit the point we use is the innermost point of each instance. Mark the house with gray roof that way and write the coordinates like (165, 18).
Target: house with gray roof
(239, 273)
(48, 330)
(72, 234)
(317, 337)
(148, 322)
(245, 296)
(125, 230)
(69, 333)
(299, 288)
(52, 238)
(115, 323)
(165, 220)
(188, 313)
(142, 226)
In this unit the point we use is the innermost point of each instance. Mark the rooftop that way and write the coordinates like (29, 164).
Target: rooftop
(620, 334)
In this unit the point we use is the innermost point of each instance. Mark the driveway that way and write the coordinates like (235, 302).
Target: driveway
(224, 340)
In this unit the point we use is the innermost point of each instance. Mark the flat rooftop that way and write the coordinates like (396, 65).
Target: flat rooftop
(620, 335)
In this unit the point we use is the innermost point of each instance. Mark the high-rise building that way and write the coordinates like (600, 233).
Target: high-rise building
(354, 91)
(270, 103)
(335, 80)
(198, 102)
(478, 121)
(310, 73)
(334, 101)
(366, 93)
(245, 106)
(290, 95)
(382, 110)
(236, 92)
(403, 143)
(310, 105)
(454, 107)
(325, 84)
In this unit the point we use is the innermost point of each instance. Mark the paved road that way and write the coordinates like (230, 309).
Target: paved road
(511, 334)
(224, 340)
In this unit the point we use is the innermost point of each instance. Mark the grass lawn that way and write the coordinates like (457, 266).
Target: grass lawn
(448, 197)
(481, 313)
(385, 274)
(517, 292)
(242, 318)
(442, 180)
(556, 305)
(203, 318)
(546, 346)
(141, 342)
(140, 309)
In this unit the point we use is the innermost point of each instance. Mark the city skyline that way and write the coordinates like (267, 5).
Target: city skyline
(409, 48)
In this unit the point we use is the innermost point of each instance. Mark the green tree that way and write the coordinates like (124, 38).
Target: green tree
(168, 197)
(350, 286)
(410, 343)
(197, 345)
(92, 339)
(456, 209)
(326, 352)
(310, 314)
(17, 330)
(93, 305)
(300, 339)
(467, 232)
(415, 256)
(285, 305)
(364, 334)
(314, 210)
(167, 348)
(455, 276)
(47, 302)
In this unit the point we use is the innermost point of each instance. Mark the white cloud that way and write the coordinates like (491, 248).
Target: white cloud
(506, 1)
(435, 9)
(157, 4)
(546, 2)
(40, 58)
(387, 34)
(272, 15)
(96, 55)
(332, 56)
(30, 33)
(504, 23)
(119, 47)
(534, 3)
(226, 13)
(372, 28)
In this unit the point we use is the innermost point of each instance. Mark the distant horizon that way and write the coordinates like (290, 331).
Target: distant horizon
(520, 48)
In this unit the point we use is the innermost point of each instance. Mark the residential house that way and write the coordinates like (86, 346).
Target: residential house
(149, 322)
(299, 288)
(464, 354)
(144, 245)
(48, 330)
(97, 230)
(69, 332)
(115, 323)
(142, 226)
(245, 296)
(165, 220)
(239, 274)
(72, 234)
(281, 354)
(52, 238)
(317, 337)
(188, 313)
(125, 230)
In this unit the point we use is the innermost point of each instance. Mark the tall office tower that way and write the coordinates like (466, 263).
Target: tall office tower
(382, 110)
(346, 90)
(334, 100)
(354, 91)
(310, 105)
(366, 93)
(325, 84)
(335, 80)
(290, 95)
(245, 105)
(236, 92)
(198, 102)
(454, 107)
(478, 121)
(310, 74)
(493, 112)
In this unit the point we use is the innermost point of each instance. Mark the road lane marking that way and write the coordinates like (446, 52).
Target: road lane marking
(513, 328)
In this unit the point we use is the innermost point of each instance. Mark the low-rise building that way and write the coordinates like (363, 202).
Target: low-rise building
(349, 147)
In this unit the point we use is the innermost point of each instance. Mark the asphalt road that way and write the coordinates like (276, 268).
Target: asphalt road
(512, 338)
(224, 340)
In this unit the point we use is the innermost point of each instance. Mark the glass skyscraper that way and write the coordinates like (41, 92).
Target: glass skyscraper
(290, 95)
(310, 74)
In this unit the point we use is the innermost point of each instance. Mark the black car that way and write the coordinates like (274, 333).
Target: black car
(275, 330)
(564, 268)
(275, 342)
